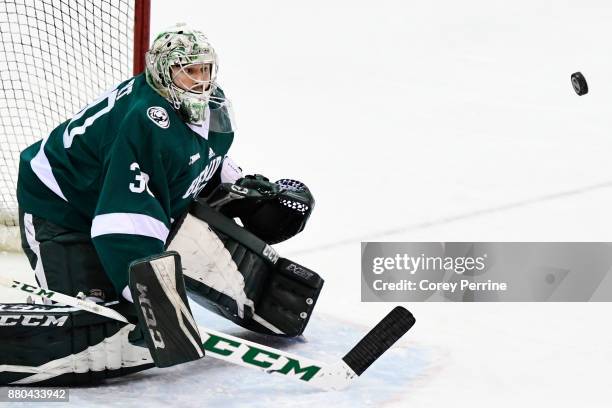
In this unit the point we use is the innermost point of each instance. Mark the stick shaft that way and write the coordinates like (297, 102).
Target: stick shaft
(82, 304)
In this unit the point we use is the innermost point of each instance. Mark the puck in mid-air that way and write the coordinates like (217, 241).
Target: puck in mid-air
(579, 83)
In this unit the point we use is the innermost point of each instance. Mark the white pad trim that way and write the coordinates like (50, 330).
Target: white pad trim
(206, 260)
(39, 270)
(112, 353)
(164, 269)
(267, 324)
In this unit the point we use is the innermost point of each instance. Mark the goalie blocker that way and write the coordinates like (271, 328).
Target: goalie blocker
(158, 292)
(232, 272)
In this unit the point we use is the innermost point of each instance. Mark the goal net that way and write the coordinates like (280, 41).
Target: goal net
(56, 56)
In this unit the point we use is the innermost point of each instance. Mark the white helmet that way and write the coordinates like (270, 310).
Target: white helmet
(181, 66)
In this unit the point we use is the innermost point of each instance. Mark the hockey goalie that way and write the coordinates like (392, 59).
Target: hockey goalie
(133, 203)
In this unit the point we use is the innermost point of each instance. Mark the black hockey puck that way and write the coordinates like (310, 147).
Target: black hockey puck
(579, 83)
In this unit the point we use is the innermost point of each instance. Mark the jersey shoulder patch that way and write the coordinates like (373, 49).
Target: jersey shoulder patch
(159, 116)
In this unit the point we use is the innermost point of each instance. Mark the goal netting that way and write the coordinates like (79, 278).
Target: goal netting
(56, 56)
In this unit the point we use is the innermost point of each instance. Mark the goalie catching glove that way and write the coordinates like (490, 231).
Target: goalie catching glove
(274, 212)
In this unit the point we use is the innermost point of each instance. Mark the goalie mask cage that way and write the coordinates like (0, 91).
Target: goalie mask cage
(56, 56)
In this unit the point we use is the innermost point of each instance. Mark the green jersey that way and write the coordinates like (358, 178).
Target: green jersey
(122, 169)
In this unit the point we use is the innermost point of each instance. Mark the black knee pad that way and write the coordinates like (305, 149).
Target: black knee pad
(69, 260)
(72, 265)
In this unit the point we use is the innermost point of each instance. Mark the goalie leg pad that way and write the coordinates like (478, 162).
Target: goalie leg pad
(158, 291)
(50, 345)
(289, 298)
(284, 304)
(246, 283)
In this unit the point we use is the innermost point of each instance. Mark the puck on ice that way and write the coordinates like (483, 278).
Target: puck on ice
(579, 83)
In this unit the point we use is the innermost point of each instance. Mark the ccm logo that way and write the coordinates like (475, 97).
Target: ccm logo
(270, 253)
(147, 311)
(32, 320)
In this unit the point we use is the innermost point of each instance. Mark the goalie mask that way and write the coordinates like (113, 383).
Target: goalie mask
(182, 67)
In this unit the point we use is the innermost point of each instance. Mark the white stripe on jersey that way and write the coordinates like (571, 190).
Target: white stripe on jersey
(42, 168)
(129, 223)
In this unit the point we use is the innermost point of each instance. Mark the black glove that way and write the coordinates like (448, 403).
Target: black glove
(274, 212)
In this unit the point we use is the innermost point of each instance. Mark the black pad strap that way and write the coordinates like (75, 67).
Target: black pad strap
(228, 227)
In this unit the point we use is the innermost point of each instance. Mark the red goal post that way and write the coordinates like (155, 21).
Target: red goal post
(142, 22)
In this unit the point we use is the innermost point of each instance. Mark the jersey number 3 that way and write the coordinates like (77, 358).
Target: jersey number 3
(141, 180)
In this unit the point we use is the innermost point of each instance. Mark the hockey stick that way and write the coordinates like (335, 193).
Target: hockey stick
(82, 304)
(249, 354)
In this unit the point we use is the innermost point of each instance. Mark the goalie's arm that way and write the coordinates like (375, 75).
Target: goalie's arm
(130, 221)
(228, 172)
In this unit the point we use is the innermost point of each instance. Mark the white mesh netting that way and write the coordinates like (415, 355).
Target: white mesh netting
(55, 57)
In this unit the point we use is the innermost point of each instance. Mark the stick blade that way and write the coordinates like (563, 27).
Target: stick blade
(374, 344)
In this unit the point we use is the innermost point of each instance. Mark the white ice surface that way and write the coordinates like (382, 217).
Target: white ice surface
(430, 121)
